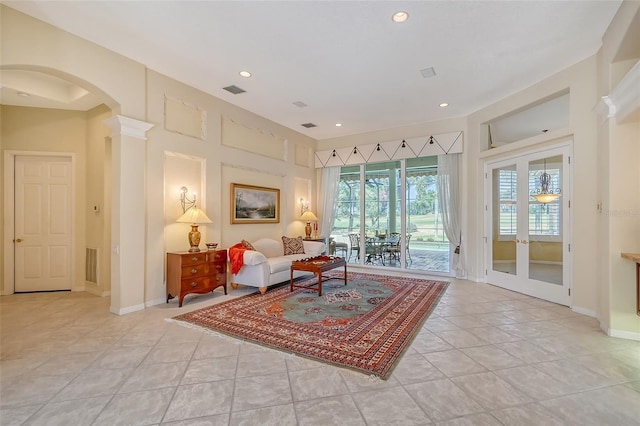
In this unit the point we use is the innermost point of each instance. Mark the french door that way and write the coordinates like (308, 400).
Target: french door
(527, 224)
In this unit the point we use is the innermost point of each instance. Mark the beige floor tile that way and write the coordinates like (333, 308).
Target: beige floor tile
(142, 408)
(337, 410)
(280, 415)
(78, 412)
(443, 400)
(453, 363)
(389, 406)
(261, 391)
(617, 405)
(193, 401)
(527, 415)
(491, 391)
(316, 383)
(491, 357)
(481, 419)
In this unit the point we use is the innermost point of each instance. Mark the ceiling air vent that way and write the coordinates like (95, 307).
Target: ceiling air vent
(309, 125)
(234, 89)
(300, 104)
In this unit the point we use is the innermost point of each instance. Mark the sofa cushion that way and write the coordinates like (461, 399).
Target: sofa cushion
(292, 245)
(268, 247)
(246, 244)
(283, 263)
(252, 257)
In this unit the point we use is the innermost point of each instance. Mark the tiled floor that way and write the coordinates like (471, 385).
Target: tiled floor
(486, 356)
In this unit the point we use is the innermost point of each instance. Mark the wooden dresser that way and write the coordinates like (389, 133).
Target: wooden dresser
(200, 272)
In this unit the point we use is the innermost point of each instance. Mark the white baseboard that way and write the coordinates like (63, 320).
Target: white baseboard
(584, 311)
(623, 334)
(97, 292)
(126, 310)
(150, 303)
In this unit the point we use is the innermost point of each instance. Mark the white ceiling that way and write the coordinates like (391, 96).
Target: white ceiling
(346, 60)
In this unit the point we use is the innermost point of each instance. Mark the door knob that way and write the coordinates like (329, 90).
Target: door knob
(524, 241)
(516, 240)
(19, 240)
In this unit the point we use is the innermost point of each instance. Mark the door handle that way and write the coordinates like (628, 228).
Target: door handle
(516, 241)
(19, 240)
(524, 241)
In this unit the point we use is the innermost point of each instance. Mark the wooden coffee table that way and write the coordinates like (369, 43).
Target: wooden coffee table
(318, 265)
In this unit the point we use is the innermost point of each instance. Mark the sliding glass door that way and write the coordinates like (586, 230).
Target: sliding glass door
(387, 216)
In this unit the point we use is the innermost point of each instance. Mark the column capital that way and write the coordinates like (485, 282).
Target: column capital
(121, 125)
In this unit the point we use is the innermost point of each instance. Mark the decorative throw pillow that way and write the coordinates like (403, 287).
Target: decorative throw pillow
(293, 245)
(247, 245)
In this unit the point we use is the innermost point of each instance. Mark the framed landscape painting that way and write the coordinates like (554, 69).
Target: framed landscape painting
(254, 204)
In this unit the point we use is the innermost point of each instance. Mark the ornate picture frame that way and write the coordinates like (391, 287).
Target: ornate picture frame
(254, 204)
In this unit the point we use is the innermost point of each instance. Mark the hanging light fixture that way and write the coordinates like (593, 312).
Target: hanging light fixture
(543, 193)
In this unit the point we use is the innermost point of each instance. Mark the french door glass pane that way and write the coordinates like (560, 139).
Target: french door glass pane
(545, 220)
(505, 214)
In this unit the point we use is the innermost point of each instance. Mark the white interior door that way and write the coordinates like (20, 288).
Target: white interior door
(528, 240)
(43, 214)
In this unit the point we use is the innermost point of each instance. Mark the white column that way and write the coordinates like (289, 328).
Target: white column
(128, 213)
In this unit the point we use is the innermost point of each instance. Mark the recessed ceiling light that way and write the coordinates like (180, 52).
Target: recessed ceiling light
(400, 16)
(444, 104)
(245, 74)
(338, 124)
(23, 94)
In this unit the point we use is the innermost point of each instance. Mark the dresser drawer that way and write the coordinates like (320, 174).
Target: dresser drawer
(192, 271)
(194, 258)
(217, 256)
(196, 284)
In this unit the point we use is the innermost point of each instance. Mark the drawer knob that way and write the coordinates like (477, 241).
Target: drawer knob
(194, 258)
(193, 284)
(193, 271)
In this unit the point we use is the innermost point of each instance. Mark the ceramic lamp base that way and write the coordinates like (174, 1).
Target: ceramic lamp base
(194, 239)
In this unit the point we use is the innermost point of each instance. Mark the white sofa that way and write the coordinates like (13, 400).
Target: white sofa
(267, 264)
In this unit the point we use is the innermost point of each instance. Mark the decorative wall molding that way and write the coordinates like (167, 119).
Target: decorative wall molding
(424, 146)
(623, 102)
(121, 125)
(184, 118)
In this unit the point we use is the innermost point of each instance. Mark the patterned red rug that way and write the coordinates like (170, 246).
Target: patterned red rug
(365, 325)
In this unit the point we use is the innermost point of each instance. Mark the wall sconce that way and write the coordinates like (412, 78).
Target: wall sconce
(185, 202)
(304, 206)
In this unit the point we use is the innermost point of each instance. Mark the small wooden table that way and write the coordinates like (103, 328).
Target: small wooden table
(317, 265)
(636, 258)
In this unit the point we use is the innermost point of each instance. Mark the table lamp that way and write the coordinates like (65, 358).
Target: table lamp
(194, 216)
(308, 216)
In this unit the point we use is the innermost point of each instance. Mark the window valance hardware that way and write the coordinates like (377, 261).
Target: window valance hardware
(423, 146)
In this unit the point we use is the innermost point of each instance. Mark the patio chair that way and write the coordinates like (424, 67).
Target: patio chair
(393, 248)
(373, 249)
(354, 242)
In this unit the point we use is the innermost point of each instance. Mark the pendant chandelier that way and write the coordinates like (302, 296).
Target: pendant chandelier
(544, 194)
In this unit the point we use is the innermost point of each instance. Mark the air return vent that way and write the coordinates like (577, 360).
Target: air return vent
(91, 265)
(308, 125)
(234, 89)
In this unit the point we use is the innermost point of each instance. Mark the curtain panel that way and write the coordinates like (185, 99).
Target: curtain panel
(449, 201)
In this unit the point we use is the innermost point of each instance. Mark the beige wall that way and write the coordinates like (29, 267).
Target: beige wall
(49, 130)
(619, 182)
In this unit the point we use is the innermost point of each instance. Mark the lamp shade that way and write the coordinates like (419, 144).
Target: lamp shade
(308, 216)
(194, 215)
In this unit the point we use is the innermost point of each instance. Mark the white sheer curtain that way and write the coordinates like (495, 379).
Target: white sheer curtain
(449, 201)
(327, 196)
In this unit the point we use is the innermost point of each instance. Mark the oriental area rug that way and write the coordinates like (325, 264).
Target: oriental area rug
(365, 325)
